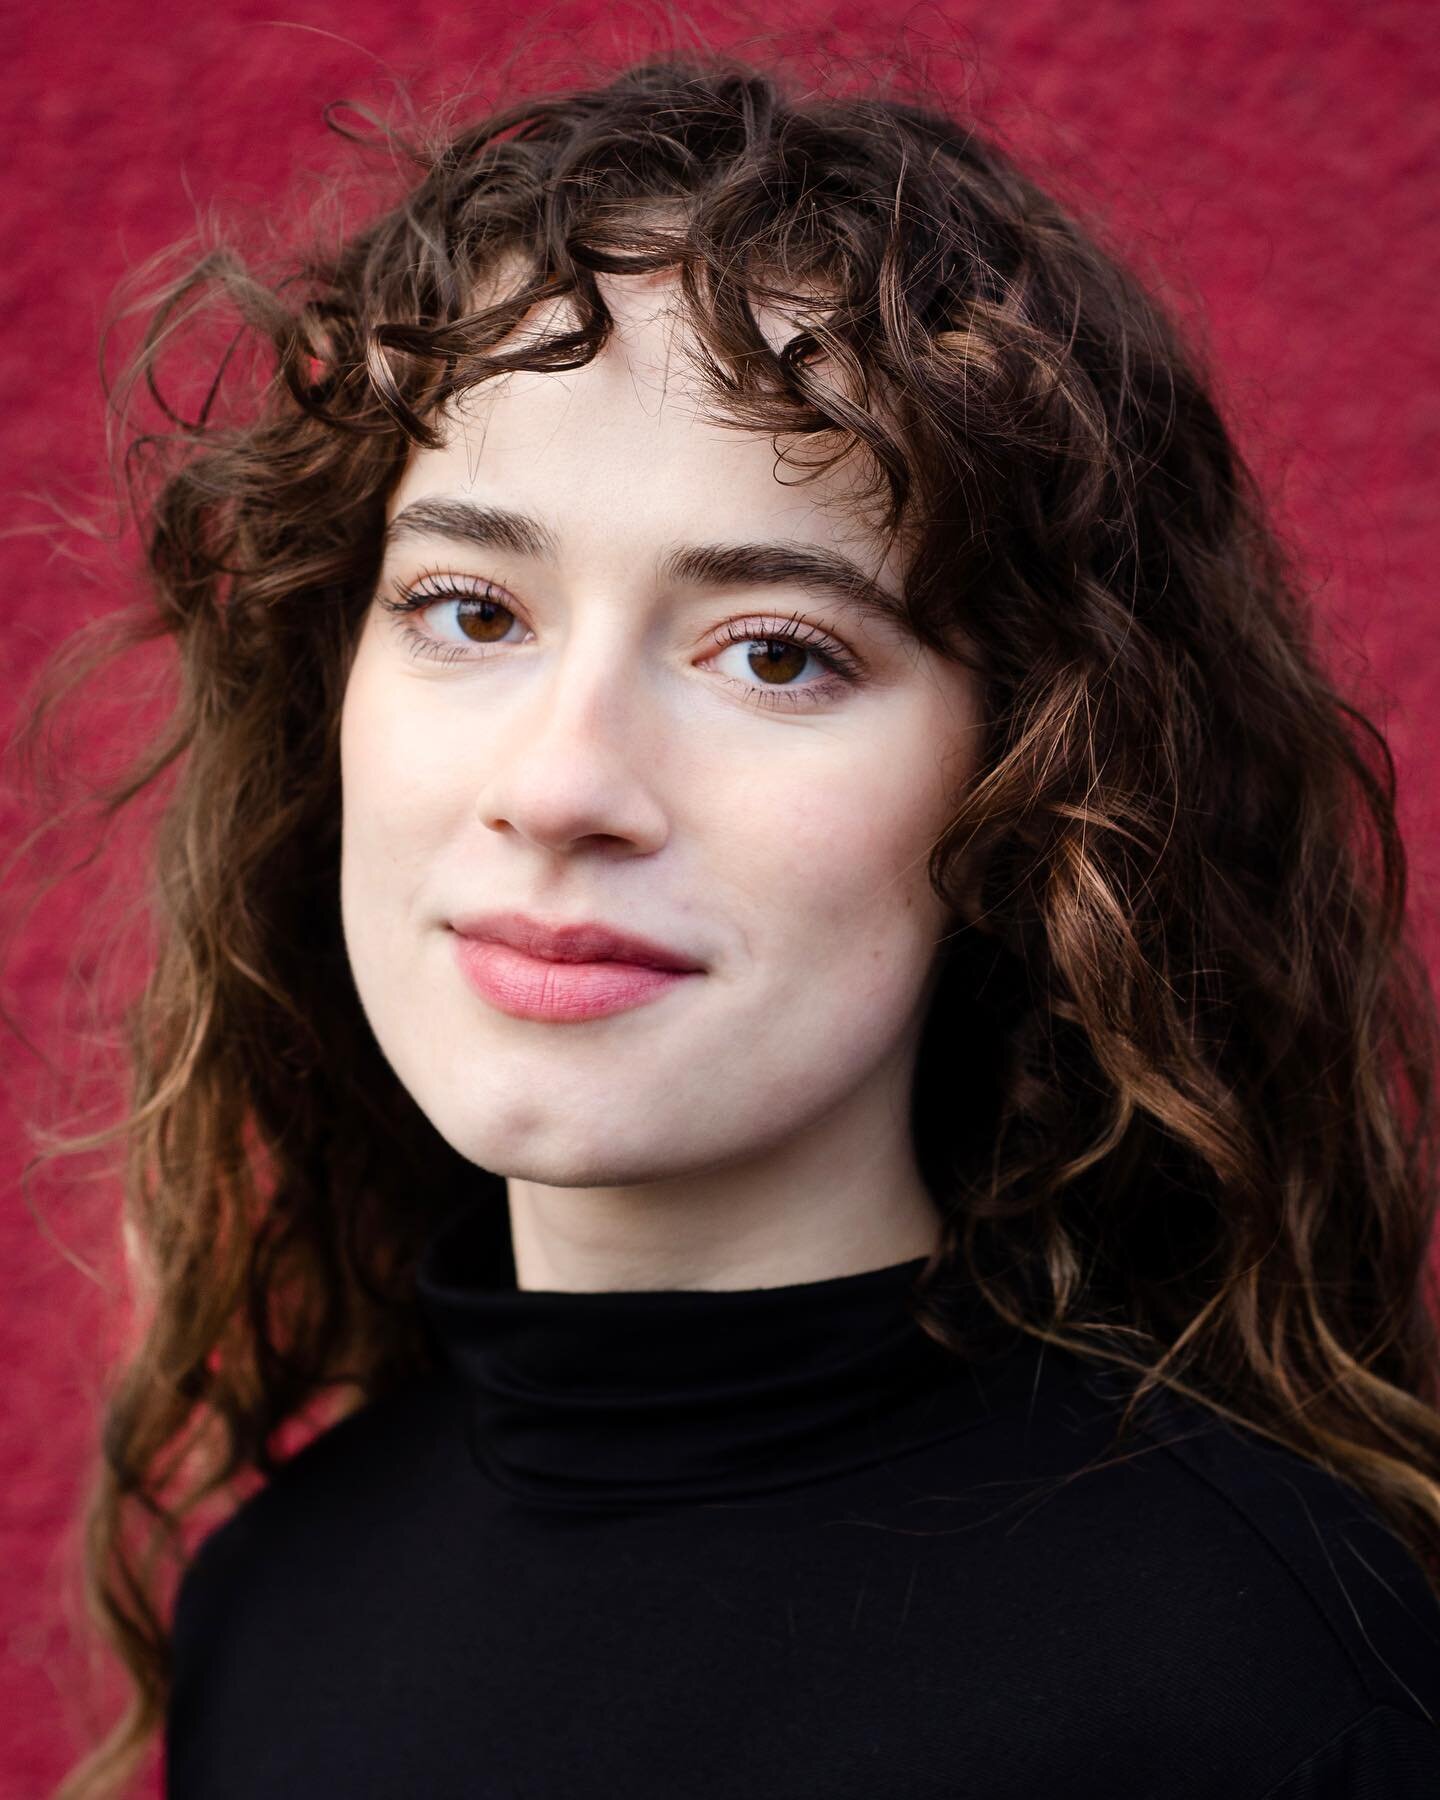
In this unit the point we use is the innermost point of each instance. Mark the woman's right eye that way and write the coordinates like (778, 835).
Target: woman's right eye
(484, 621)
(481, 615)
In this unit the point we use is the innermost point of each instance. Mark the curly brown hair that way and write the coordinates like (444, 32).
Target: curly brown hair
(1195, 1038)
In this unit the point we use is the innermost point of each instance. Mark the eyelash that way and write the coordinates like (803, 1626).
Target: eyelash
(433, 589)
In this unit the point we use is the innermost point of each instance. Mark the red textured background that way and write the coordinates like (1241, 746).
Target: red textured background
(1275, 165)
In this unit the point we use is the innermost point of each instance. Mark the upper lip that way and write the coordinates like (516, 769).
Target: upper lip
(585, 940)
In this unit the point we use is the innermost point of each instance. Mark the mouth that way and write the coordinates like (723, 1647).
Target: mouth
(560, 990)
(585, 941)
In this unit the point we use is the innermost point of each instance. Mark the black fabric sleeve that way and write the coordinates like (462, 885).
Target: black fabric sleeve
(1386, 1754)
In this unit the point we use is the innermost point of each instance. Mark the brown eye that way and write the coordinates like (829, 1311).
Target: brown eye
(779, 660)
(478, 620)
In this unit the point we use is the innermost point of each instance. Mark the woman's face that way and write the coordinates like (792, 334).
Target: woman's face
(590, 747)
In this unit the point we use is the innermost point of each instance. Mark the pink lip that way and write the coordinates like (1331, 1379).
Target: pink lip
(563, 973)
(585, 941)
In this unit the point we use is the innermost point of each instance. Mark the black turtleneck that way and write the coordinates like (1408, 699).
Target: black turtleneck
(776, 1544)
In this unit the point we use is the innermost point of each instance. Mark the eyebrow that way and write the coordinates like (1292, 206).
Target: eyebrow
(822, 571)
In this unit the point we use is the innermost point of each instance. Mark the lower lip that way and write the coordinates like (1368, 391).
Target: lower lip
(529, 987)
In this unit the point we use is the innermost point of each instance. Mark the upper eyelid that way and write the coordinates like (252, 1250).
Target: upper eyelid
(829, 580)
(827, 574)
(845, 665)
(439, 577)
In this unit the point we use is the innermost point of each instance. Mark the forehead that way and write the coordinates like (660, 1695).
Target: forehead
(628, 451)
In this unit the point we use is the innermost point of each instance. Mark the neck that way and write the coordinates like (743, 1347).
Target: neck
(616, 1398)
(765, 1224)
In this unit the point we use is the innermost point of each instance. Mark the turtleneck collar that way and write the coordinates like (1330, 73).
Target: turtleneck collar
(595, 1399)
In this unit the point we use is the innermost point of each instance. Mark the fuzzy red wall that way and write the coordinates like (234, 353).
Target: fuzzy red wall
(1273, 166)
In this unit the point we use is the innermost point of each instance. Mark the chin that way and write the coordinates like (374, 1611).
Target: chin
(550, 1151)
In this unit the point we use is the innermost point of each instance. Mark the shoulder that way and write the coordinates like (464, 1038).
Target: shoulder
(1349, 1573)
(1299, 1620)
(1191, 1597)
(327, 1501)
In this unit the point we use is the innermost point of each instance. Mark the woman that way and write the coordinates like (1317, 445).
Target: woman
(785, 980)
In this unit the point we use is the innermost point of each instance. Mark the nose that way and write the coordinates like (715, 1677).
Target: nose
(577, 752)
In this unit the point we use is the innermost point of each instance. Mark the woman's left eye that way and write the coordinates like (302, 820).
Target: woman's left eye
(776, 650)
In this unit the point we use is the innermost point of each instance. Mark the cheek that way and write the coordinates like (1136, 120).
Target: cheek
(839, 860)
(397, 771)
(388, 799)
